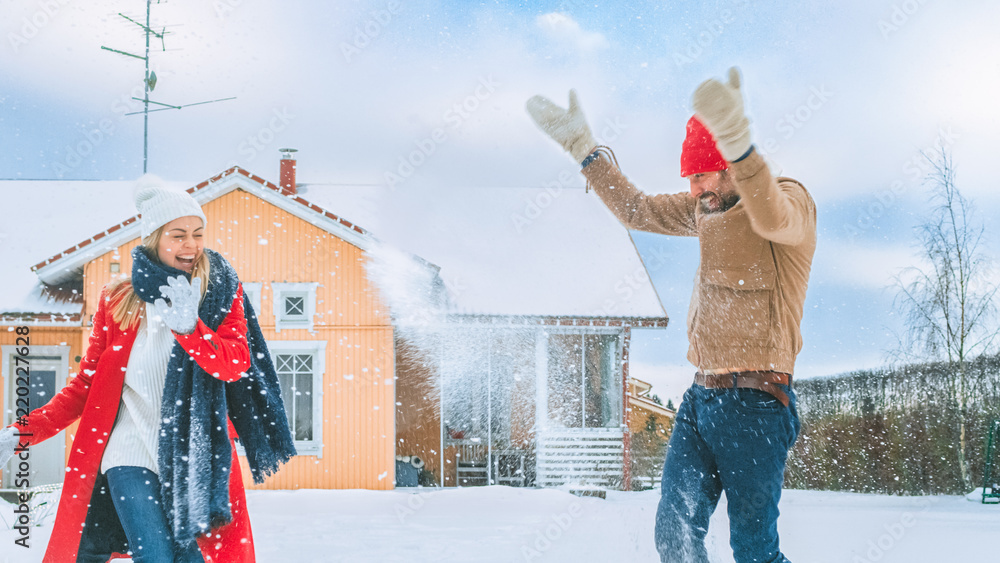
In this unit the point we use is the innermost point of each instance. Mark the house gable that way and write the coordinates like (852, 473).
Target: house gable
(63, 265)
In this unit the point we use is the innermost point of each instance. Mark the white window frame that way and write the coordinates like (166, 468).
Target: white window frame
(318, 350)
(280, 290)
(252, 291)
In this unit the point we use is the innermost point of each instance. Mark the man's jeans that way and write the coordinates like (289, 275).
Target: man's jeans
(136, 495)
(733, 440)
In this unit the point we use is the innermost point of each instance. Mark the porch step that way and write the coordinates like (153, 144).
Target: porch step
(585, 456)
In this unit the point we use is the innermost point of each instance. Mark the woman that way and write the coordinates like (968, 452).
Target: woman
(173, 372)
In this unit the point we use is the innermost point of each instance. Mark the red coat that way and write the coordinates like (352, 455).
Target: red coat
(93, 395)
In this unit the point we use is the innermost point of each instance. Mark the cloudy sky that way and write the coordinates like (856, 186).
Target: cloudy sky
(843, 96)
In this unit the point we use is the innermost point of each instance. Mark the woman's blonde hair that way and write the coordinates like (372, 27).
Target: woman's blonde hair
(129, 308)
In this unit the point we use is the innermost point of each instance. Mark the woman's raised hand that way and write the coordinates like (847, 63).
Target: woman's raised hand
(182, 313)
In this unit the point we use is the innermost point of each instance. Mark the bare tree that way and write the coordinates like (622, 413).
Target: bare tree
(948, 304)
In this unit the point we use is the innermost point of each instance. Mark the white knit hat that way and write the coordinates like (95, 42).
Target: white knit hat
(159, 206)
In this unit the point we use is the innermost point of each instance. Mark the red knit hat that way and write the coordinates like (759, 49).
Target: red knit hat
(699, 153)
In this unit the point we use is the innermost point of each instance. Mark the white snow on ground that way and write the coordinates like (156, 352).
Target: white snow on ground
(504, 525)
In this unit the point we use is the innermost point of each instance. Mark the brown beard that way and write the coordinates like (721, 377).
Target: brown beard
(726, 202)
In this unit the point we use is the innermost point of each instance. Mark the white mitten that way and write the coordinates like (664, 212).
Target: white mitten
(720, 108)
(8, 442)
(567, 127)
(182, 313)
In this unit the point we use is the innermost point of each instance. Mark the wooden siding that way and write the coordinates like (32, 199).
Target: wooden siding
(639, 414)
(358, 430)
(418, 412)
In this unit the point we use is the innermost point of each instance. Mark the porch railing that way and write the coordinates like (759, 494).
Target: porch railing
(477, 465)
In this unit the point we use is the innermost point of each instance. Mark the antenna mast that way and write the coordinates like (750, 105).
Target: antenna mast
(149, 82)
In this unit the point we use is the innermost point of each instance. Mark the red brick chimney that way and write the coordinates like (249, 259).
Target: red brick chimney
(287, 172)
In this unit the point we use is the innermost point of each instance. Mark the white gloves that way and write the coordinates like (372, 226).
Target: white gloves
(8, 442)
(567, 127)
(182, 313)
(720, 108)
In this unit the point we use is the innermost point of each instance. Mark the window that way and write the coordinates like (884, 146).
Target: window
(300, 367)
(584, 381)
(487, 385)
(294, 305)
(294, 308)
(295, 372)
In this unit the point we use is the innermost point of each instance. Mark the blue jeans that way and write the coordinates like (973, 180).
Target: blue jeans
(733, 440)
(135, 492)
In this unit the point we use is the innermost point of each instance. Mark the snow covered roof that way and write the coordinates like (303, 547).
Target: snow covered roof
(64, 265)
(501, 251)
(509, 251)
(40, 219)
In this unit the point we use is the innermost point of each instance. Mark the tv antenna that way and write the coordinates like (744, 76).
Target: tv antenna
(149, 82)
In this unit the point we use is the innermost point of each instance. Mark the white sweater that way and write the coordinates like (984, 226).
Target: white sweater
(135, 436)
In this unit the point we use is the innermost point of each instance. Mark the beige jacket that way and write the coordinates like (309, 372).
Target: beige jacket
(755, 260)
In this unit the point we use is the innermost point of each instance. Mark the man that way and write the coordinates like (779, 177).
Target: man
(757, 236)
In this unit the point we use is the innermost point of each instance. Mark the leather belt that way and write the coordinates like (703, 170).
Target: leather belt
(766, 381)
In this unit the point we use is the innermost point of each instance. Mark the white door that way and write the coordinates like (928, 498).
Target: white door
(46, 461)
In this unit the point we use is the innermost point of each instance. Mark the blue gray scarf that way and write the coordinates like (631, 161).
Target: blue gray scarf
(194, 449)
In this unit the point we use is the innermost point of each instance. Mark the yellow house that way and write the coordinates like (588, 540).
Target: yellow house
(304, 270)
(650, 424)
(644, 406)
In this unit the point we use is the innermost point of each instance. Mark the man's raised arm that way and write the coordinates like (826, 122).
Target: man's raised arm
(671, 214)
(780, 211)
(668, 214)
